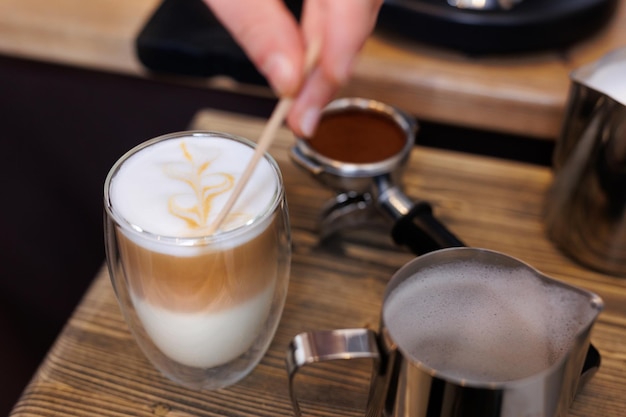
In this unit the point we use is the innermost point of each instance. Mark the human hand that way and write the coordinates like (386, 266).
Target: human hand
(276, 44)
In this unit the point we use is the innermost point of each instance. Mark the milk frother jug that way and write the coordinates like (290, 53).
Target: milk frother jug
(404, 385)
(586, 206)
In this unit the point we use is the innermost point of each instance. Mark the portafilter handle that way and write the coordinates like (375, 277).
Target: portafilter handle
(415, 226)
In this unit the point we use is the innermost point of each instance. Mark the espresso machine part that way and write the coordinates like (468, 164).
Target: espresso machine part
(359, 151)
(495, 27)
(484, 4)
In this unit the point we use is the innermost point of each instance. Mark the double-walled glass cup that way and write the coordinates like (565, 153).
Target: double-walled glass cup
(202, 306)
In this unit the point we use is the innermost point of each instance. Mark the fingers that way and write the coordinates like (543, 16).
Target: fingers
(270, 36)
(314, 95)
(273, 40)
(343, 26)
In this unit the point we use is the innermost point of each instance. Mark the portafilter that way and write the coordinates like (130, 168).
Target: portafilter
(359, 150)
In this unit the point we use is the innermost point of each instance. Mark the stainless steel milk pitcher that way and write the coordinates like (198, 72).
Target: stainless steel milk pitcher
(586, 205)
(404, 384)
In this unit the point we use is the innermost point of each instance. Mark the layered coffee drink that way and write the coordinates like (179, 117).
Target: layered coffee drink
(484, 324)
(202, 299)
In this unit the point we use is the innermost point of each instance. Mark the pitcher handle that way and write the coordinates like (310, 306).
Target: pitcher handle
(590, 367)
(327, 345)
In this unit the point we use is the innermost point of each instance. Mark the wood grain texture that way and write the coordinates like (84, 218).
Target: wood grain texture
(95, 367)
(522, 94)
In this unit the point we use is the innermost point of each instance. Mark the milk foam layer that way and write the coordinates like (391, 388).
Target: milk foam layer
(206, 340)
(484, 324)
(177, 187)
(610, 79)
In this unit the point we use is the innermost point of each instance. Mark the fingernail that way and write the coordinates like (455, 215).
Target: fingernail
(342, 69)
(280, 72)
(308, 122)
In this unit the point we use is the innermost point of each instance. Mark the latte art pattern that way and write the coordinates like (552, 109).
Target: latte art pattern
(178, 187)
(204, 185)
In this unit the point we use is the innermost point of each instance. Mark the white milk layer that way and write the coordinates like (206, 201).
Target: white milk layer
(206, 340)
(177, 187)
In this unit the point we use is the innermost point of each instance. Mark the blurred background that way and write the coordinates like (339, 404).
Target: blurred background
(81, 83)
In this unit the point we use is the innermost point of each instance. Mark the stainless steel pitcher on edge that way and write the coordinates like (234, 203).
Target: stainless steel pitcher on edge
(585, 210)
(402, 385)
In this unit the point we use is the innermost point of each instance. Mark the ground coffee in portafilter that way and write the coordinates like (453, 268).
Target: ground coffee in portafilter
(357, 136)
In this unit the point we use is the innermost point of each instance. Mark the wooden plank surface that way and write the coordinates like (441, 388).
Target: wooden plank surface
(522, 94)
(97, 34)
(95, 367)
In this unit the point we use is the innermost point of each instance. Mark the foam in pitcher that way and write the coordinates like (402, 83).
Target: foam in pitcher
(483, 323)
(610, 79)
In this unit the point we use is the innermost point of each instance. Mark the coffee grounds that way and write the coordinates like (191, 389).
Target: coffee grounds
(357, 136)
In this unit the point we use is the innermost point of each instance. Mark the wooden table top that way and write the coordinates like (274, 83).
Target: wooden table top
(522, 94)
(95, 367)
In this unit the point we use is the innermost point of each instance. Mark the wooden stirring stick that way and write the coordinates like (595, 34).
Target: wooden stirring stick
(267, 136)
